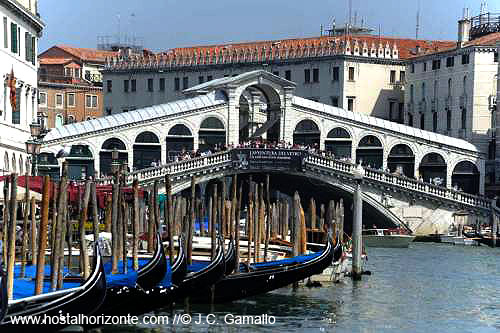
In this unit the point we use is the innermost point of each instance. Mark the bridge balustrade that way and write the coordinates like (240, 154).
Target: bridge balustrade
(214, 161)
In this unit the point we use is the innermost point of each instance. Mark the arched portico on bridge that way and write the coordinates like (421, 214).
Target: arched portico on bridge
(433, 169)
(80, 162)
(147, 150)
(466, 177)
(105, 155)
(370, 152)
(339, 142)
(212, 134)
(401, 160)
(307, 133)
(178, 140)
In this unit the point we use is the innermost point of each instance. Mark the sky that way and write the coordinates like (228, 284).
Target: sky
(165, 24)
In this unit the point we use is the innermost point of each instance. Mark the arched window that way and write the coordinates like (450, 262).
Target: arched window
(370, 152)
(59, 121)
(448, 119)
(339, 142)
(14, 168)
(465, 85)
(435, 89)
(147, 137)
(113, 143)
(6, 162)
(411, 92)
(463, 119)
(423, 90)
(434, 121)
(180, 130)
(306, 126)
(306, 133)
(422, 121)
(449, 86)
(71, 119)
(212, 123)
(21, 165)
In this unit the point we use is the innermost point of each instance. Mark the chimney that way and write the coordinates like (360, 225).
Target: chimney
(464, 26)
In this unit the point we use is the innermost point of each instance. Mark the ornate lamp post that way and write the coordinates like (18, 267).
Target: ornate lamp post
(33, 146)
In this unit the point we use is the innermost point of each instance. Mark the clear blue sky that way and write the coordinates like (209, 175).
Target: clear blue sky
(175, 23)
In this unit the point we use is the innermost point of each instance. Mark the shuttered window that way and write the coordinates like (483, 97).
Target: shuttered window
(13, 38)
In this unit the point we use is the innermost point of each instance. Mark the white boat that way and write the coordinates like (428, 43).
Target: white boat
(386, 238)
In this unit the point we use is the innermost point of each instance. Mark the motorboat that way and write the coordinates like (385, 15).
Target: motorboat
(386, 238)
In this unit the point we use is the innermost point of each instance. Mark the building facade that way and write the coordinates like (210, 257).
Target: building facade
(70, 84)
(452, 91)
(20, 29)
(361, 73)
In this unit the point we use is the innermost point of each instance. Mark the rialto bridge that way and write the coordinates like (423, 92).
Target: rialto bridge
(227, 111)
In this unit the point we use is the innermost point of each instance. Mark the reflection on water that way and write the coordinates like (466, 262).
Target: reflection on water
(426, 288)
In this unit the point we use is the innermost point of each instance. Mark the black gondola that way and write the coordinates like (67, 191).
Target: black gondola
(118, 297)
(203, 276)
(488, 240)
(263, 277)
(230, 258)
(85, 299)
(3, 294)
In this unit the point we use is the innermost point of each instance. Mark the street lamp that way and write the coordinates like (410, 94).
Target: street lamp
(33, 146)
(115, 164)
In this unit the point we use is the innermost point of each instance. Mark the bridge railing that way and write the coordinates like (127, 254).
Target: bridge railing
(401, 181)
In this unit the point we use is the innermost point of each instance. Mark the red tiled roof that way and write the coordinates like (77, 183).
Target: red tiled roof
(487, 40)
(84, 54)
(55, 61)
(404, 45)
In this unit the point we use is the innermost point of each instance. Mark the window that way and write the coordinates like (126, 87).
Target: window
(412, 68)
(77, 73)
(448, 119)
(13, 38)
(316, 75)
(495, 57)
(335, 73)
(109, 85)
(150, 84)
(33, 50)
(435, 89)
(177, 84)
(90, 101)
(412, 92)
(410, 119)
(209, 78)
(401, 113)
(125, 85)
(71, 119)
(351, 74)
(350, 104)
(67, 72)
(436, 64)
(464, 118)
(16, 114)
(288, 75)
(423, 90)
(185, 82)
(71, 99)
(450, 61)
(42, 99)
(59, 121)
(134, 85)
(402, 76)
(391, 110)
(434, 121)
(335, 101)
(392, 78)
(276, 73)
(424, 66)
(5, 34)
(465, 85)
(200, 79)
(449, 87)
(307, 75)
(465, 59)
(108, 111)
(27, 46)
(59, 100)
(422, 121)
(162, 84)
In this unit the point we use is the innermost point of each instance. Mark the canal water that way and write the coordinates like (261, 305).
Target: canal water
(426, 288)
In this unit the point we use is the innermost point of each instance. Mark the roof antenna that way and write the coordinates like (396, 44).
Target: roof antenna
(350, 12)
(417, 30)
(321, 31)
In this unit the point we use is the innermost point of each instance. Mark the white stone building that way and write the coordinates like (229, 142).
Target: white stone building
(452, 91)
(20, 29)
(361, 73)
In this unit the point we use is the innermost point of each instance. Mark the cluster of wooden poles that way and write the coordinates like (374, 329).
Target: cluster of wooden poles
(265, 221)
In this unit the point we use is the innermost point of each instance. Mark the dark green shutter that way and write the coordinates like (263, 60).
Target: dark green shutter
(13, 37)
(33, 50)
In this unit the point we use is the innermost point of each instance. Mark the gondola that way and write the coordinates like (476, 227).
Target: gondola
(82, 297)
(3, 293)
(202, 275)
(259, 278)
(121, 288)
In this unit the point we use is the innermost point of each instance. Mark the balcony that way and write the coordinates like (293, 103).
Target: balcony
(60, 79)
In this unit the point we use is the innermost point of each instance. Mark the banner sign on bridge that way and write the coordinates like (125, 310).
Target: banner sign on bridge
(249, 158)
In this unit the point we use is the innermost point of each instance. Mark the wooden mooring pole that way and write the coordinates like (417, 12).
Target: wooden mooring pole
(12, 236)
(42, 243)
(357, 226)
